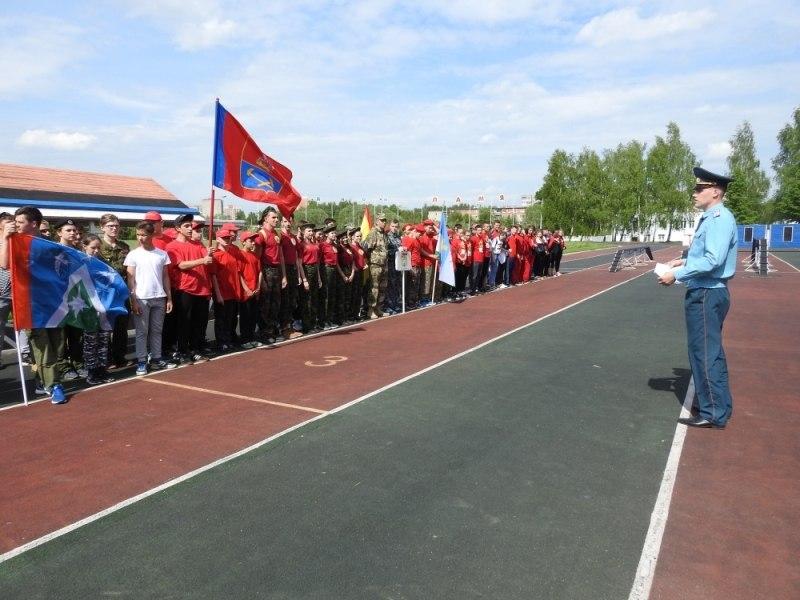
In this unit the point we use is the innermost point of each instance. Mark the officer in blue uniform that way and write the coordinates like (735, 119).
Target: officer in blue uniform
(710, 263)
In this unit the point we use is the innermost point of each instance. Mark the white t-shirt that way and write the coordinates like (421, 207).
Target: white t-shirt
(149, 265)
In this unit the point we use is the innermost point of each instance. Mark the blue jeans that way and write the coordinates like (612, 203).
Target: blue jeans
(492, 277)
(509, 270)
(705, 313)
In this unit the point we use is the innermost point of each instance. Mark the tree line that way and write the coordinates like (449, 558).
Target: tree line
(635, 187)
(628, 189)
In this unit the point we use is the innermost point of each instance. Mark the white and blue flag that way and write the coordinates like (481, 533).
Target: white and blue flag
(446, 272)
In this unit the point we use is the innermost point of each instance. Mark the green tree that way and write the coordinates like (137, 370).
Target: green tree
(556, 197)
(593, 194)
(750, 185)
(627, 172)
(787, 169)
(669, 180)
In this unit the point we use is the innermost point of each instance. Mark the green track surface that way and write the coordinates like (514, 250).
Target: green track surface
(526, 469)
(793, 258)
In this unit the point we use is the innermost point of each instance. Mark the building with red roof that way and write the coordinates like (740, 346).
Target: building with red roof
(61, 194)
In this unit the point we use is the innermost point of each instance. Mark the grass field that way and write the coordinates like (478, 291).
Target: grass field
(583, 246)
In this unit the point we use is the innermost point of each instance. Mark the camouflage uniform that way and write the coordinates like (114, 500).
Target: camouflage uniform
(376, 246)
(310, 298)
(271, 300)
(331, 294)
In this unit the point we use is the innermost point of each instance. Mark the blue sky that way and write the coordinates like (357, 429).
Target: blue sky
(400, 100)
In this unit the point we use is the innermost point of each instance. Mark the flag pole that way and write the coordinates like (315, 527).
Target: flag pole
(21, 369)
(213, 174)
(211, 221)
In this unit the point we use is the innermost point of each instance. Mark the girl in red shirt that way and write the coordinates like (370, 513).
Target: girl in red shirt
(333, 278)
(250, 285)
(346, 262)
(359, 266)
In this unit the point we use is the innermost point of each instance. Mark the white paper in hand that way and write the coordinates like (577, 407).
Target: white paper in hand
(660, 269)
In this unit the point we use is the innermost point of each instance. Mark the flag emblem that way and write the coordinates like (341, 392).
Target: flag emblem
(54, 286)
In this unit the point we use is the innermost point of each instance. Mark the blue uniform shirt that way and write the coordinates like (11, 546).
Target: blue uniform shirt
(712, 256)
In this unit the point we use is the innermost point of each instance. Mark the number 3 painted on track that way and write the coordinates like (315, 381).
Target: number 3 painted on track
(328, 362)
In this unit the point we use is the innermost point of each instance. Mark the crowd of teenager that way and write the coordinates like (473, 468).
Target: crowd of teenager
(278, 282)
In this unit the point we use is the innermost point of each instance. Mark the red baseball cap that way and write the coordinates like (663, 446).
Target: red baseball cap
(224, 233)
(427, 222)
(246, 235)
(229, 227)
(198, 225)
(420, 228)
(152, 216)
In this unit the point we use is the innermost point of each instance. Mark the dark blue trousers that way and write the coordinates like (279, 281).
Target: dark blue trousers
(705, 312)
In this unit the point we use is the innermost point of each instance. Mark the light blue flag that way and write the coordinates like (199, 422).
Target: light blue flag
(446, 272)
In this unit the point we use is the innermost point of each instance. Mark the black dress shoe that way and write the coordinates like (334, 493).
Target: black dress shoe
(699, 421)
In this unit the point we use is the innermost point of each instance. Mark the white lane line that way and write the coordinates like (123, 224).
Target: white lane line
(773, 255)
(658, 520)
(237, 396)
(111, 509)
(125, 503)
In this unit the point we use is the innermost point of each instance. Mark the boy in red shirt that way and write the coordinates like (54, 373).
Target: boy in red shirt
(160, 237)
(291, 292)
(414, 276)
(268, 249)
(310, 273)
(227, 289)
(191, 290)
(251, 281)
(427, 249)
(478, 254)
(333, 277)
(459, 249)
(513, 255)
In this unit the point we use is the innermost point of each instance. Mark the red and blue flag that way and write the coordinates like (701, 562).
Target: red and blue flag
(55, 285)
(241, 168)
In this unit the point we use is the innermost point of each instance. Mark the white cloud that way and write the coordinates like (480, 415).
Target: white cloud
(56, 140)
(718, 150)
(625, 25)
(494, 11)
(122, 101)
(33, 54)
(194, 24)
(205, 34)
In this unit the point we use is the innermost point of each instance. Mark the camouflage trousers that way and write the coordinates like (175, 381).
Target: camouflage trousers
(289, 296)
(357, 296)
(378, 277)
(429, 283)
(413, 278)
(309, 298)
(333, 284)
(271, 299)
(47, 345)
(96, 345)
